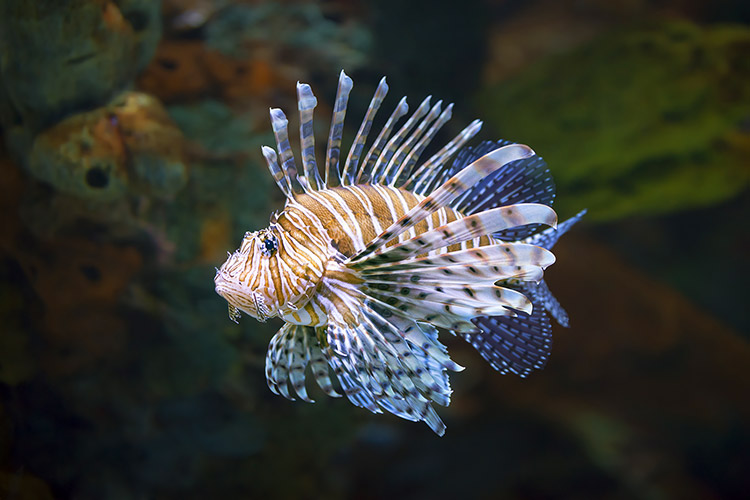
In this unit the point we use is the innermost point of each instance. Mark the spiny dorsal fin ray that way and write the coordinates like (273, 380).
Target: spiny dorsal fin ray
(418, 180)
(306, 103)
(365, 173)
(289, 167)
(333, 149)
(396, 163)
(276, 171)
(453, 188)
(413, 156)
(352, 160)
(465, 229)
(380, 171)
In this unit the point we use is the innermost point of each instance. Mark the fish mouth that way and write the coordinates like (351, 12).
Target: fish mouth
(254, 303)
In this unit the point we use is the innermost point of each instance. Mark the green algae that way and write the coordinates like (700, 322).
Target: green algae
(642, 121)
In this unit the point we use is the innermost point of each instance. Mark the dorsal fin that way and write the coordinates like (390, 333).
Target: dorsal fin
(389, 161)
(350, 168)
(421, 177)
(276, 171)
(288, 165)
(413, 156)
(365, 173)
(396, 164)
(380, 171)
(333, 149)
(306, 103)
(523, 181)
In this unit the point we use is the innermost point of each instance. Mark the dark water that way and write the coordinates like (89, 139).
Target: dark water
(131, 164)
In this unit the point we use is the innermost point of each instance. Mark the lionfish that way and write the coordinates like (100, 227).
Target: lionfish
(365, 264)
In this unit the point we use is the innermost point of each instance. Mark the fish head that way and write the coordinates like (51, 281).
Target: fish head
(262, 280)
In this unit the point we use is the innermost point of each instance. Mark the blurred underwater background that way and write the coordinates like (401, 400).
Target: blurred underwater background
(131, 163)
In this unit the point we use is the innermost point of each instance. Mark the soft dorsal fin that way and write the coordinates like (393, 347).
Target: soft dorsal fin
(524, 181)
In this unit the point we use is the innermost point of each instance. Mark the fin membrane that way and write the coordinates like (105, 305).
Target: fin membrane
(517, 344)
(393, 364)
(290, 352)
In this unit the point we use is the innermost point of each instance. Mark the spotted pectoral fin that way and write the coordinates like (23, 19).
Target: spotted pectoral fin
(397, 366)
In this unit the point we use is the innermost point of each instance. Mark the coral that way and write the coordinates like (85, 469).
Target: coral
(129, 146)
(250, 51)
(644, 120)
(186, 69)
(60, 57)
(177, 72)
(81, 285)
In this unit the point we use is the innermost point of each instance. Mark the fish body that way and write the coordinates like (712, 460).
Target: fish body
(365, 263)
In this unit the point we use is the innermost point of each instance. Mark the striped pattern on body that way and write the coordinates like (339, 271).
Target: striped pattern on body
(354, 216)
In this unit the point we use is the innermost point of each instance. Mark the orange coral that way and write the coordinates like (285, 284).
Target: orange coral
(176, 72)
(129, 145)
(79, 282)
(183, 70)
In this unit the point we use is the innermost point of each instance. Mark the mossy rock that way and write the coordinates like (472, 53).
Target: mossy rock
(57, 58)
(642, 121)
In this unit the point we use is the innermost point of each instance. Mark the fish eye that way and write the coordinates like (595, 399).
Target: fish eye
(268, 245)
